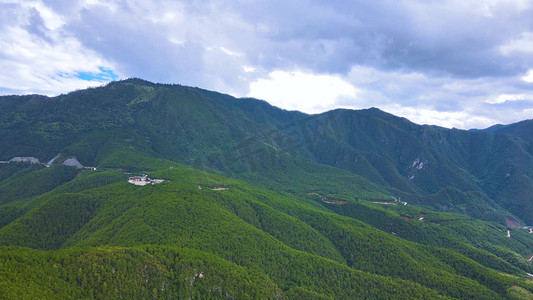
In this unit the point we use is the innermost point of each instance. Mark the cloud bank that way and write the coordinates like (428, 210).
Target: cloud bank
(465, 64)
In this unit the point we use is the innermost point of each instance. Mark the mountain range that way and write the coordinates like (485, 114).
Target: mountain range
(257, 202)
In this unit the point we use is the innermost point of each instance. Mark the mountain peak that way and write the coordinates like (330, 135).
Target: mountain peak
(134, 80)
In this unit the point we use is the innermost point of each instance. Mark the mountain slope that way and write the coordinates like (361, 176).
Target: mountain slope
(337, 205)
(254, 228)
(120, 124)
(422, 160)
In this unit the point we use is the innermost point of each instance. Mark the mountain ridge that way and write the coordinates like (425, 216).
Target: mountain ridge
(343, 204)
(371, 143)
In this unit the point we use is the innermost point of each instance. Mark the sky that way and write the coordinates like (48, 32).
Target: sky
(453, 63)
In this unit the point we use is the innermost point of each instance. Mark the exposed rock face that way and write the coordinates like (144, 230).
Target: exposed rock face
(512, 223)
(72, 162)
(30, 159)
(54, 159)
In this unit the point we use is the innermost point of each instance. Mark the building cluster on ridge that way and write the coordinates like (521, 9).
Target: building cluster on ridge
(143, 180)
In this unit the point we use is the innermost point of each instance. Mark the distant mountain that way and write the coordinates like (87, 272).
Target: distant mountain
(422, 160)
(257, 202)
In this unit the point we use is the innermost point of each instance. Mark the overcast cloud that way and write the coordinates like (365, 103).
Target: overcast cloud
(465, 64)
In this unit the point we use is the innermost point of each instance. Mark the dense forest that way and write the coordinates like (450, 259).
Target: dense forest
(256, 202)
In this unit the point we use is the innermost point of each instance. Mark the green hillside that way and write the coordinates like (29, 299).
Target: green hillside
(294, 241)
(346, 204)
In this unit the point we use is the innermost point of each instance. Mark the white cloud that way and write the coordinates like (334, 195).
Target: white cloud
(506, 98)
(440, 100)
(528, 77)
(428, 116)
(30, 63)
(51, 20)
(301, 91)
(423, 99)
(248, 69)
(229, 52)
(524, 44)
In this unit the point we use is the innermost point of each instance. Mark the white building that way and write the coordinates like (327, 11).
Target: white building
(143, 180)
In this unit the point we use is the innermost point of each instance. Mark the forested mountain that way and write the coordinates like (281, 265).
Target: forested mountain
(257, 202)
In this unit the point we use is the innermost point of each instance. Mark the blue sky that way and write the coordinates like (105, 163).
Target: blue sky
(464, 64)
(103, 74)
